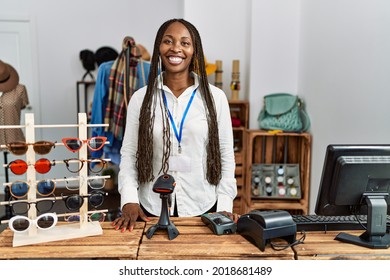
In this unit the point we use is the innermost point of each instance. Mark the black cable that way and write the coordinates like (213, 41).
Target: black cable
(360, 222)
(279, 247)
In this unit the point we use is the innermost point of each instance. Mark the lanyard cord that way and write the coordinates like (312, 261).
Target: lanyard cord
(180, 133)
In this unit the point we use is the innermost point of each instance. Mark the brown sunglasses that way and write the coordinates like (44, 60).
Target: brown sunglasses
(40, 147)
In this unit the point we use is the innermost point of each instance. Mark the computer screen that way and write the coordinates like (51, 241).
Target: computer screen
(356, 180)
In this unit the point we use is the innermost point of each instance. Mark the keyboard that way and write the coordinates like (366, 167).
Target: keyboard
(325, 223)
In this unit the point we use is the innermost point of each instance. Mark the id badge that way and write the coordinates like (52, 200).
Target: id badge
(180, 163)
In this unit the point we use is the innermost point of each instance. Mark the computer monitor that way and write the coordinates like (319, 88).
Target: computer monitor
(356, 180)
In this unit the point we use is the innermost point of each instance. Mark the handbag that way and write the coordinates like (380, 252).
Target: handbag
(283, 111)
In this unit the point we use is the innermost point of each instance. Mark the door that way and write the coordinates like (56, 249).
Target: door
(17, 49)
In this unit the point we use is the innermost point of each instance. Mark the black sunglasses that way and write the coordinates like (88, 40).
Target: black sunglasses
(43, 205)
(75, 201)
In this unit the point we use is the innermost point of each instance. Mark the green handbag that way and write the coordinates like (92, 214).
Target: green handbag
(283, 111)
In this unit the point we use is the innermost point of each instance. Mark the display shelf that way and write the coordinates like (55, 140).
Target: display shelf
(239, 110)
(267, 148)
(65, 231)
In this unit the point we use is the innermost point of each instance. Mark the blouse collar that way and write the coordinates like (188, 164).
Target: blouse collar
(193, 75)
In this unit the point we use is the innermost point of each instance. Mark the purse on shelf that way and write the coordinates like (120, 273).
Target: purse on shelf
(283, 111)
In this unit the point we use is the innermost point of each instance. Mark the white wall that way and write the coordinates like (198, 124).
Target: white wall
(334, 53)
(344, 74)
(64, 28)
(274, 51)
(224, 26)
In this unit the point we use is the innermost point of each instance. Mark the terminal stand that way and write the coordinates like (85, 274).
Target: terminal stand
(164, 185)
(164, 221)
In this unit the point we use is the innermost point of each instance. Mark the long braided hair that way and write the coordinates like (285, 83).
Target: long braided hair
(144, 157)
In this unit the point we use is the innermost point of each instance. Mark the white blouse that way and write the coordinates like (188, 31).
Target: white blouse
(193, 193)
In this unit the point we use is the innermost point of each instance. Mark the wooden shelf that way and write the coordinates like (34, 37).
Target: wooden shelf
(266, 148)
(239, 109)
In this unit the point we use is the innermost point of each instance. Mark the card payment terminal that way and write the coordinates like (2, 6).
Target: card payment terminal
(219, 223)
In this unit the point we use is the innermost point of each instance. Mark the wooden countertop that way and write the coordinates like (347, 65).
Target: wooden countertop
(110, 245)
(194, 242)
(322, 246)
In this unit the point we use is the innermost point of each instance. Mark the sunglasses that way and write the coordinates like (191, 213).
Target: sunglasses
(97, 183)
(94, 165)
(44, 222)
(20, 189)
(74, 202)
(99, 217)
(19, 166)
(22, 207)
(93, 143)
(40, 147)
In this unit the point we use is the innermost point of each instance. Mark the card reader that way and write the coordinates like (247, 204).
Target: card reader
(219, 223)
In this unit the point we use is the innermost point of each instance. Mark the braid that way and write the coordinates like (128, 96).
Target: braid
(144, 161)
(144, 156)
(214, 165)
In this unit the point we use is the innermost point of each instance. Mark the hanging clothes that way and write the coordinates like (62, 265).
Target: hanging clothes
(122, 86)
(110, 101)
(11, 104)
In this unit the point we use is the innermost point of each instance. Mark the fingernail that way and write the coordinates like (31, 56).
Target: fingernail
(123, 230)
(116, 228)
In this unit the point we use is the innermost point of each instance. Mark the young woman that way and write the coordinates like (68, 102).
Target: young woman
(180, 125)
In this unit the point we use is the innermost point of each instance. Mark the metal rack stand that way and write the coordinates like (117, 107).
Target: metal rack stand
(86, 84)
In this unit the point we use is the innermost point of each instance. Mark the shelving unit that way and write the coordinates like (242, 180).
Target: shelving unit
(264, 147)
(239, 109)
(59, 232)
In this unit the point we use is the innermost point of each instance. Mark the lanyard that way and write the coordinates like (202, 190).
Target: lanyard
(179, 135)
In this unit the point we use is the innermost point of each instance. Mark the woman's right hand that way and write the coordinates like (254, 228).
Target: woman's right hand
(130, 214)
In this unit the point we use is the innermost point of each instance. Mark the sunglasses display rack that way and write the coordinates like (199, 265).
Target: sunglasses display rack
(63, 231)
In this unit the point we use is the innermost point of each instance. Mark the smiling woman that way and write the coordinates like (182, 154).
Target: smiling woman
(184, 129)
(176, 51)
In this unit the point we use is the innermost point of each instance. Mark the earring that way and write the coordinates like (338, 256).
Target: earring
(159, 69)
(159, 64)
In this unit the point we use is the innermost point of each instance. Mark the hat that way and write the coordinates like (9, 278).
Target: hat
(88, 60)
(9, 78)
(104, 54)
(210, 68)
